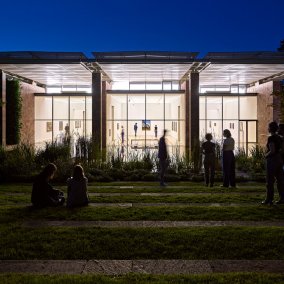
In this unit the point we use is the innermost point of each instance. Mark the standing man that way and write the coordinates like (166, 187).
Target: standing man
(135, 128)
(156, 131)
(208, 149)
(163, 157)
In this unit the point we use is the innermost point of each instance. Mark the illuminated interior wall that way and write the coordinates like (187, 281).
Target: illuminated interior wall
(165, 111)
(55, 114)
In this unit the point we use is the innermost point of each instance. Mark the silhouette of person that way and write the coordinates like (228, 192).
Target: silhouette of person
(208, 149)
(77, 193)
(228, 160)
(274, 165)
(43, 193)
(135, 128)
(163, 158)
(156, 131)
(122, 135)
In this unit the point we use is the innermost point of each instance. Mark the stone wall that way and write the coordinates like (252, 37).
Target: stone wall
(28, 111)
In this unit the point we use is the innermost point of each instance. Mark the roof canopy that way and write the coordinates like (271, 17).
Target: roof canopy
(74, 68)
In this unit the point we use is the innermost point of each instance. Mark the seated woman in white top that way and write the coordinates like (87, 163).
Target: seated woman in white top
(77, 193)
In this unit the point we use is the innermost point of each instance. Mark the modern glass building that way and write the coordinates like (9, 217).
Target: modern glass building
(126, 99)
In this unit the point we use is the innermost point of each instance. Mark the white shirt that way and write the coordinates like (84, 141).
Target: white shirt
(229, 144)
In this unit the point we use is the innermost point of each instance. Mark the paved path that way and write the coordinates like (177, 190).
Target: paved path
(150, 224)
(119, 267)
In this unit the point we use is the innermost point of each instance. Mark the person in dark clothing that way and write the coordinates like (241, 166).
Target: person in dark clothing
(228, 160)
(208, 149)
(280, 132)
(135, 128)
(156, 131)
(163, 158)
(43, 194)
(274, 165)
(77, 194)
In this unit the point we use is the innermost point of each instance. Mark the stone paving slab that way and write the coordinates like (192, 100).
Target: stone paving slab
(120, 267)
(171, 204)
(150, 224)
(43, 266)
(164, 194)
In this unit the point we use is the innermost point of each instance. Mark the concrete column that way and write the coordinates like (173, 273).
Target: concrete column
(187, 118)
(104, 94)
(194, 115)
(97, 109)
(3, 107)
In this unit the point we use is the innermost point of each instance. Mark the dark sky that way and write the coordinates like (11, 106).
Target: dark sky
(138, 25)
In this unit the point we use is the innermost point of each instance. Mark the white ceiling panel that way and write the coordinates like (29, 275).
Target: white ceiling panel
(145, 72)
(51, 74)
(228, 74)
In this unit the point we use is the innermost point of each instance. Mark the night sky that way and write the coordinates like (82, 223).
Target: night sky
(136, 25)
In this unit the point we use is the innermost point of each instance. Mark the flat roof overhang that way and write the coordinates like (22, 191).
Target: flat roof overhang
(65, 68)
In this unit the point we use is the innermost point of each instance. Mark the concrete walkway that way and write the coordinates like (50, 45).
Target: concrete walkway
(150, 224)
(120, 267)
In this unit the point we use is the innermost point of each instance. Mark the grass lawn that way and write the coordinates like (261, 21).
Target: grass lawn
(184, 213)
(194, 198)
(142, 187)
(17, 242)
(238, 278)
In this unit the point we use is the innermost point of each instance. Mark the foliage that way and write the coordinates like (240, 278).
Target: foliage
(19, 161)
(13, 112)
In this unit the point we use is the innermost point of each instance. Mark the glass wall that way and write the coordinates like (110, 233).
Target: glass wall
(136, 121)
(238, 113)
(60, 117)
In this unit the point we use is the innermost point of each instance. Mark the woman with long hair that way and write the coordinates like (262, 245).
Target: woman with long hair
(77, 193)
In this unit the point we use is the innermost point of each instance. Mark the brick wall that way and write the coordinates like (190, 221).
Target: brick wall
(265, 112)
(28, 111)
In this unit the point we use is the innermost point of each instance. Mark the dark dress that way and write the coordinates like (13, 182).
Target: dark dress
(274, 169)
(208, 149)
(43, 194)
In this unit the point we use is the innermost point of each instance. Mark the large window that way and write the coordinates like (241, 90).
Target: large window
(57, 117)
(238, 113)
(136, 121)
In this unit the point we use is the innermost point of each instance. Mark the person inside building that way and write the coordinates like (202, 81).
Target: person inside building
(135, 128)
(122, 135)
(77, 193)
(156, 131)
(208, 149)
(274, 165)
(163, 158)
(43, 193)
(228, 160)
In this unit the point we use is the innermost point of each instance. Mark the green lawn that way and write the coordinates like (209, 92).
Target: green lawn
(236, 278)
(17, 242)
(184, 213)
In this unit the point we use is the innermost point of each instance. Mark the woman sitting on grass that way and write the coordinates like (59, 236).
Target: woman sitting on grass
(43, 193)
(77, 194)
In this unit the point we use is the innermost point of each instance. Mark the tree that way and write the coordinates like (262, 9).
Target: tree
(281, 48)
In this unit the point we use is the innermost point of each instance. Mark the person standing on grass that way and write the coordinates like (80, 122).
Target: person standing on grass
(163, 158)
(77, 193)
(228, 160)
(208, 149)
(274, 165)
(43, 194)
